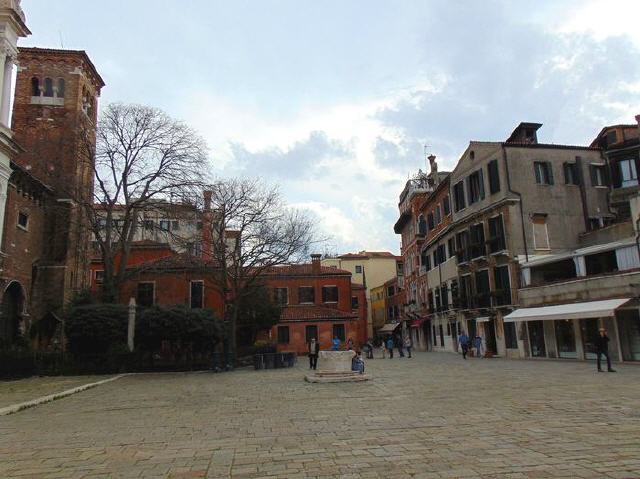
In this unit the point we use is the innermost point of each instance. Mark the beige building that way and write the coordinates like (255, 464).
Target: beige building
(371, 268)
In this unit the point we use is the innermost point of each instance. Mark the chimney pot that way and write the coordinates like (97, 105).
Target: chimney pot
(315, 263)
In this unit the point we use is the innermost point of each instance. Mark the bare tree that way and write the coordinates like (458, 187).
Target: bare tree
(143, 159)
(252, 232)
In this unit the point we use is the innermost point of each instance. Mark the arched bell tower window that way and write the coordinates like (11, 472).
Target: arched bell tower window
(35, 86)
(48, 87)
(60, 91)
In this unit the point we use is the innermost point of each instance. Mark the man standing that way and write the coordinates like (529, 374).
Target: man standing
(335, 344)
(314, 348)
(463, 340)
(602, 348)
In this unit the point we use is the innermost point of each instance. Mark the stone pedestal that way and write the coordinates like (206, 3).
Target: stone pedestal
(335, 367)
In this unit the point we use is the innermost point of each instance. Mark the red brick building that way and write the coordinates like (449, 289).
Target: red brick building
(45, 244)
(318, 301)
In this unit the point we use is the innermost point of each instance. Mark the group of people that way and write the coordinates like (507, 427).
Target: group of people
(357, 362)
(398, 343)
(467, 343)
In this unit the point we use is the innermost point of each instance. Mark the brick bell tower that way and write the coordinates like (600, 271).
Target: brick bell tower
(54, 119)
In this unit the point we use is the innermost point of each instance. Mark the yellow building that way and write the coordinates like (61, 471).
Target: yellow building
(378, 307)
(370, 268)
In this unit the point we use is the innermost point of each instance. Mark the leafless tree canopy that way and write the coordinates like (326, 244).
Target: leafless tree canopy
(268, 234)
(143, 158)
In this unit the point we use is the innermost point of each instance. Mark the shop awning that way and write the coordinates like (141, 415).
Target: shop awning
(417, 323)
(388, 328)
(589, 309)
(483, 319)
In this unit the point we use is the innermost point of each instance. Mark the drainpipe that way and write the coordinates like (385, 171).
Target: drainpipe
(524, 236)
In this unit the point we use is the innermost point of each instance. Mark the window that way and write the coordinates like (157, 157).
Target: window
(60, 88)
(390, 291)
(611, 137)
(462, 242)
(197, 294)
(482, 289)
(48, 87)
(390, 313)
(306, 294)
(422, 225)
(496, 234)
(283, 334)
(540, 233)
(148, 225)
(598, 175)
(430, 222)
(438, 215)
(510, 337)
(281, 296)
(198, 225)
(23, 220)
(475, 185)
(310, 332)
(175, 225)
(439, 255)
(431, 301)
(329, 294)
(477, 241)
(195, 249)
(35, 86)
(165, 225)
(338, 331)
(354, 302)
(494, 176)
(446, 207)
(458, 196)
(99, 276)
(628, 173)
(451, 247)
(358, 268)
(425, 260)
(145, 296)
(571, 174)
(544, 172)
(502, 285)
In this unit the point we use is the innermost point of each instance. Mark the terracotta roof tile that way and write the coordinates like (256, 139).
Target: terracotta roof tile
(304, 270)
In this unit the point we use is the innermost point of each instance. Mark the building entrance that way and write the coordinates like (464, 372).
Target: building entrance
(536, 339)
(11, 313)
(566, 339)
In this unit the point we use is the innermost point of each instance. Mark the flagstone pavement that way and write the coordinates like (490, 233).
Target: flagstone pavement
(432, 416)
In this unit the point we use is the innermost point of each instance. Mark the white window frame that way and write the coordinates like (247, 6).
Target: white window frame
(163, 222)
(96, 280)
(633, 174)
(331, 286)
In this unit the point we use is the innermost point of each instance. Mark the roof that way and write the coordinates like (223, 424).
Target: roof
(149, 244)
(367, 255)
(404, 217)
(550, 146)
(594, 143)
(55, 51)
(522, 126)
(357, 286)
(539, 260)
(585, 310)
(182, 261)
(305, 270)
(313, 312)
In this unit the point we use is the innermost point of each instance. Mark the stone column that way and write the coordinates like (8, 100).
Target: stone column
(4, 84)
(6, 92)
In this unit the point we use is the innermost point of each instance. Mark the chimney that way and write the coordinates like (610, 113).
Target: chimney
(638, 120)
(315, 263)
(207, 227)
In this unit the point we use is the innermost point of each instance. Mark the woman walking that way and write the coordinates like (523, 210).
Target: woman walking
(314, 348)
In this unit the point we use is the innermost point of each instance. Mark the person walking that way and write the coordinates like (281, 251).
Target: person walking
(335, 344)
(463, 341)
(408, 345)
(390, 346)
(477, 344)
(602, 348)
(349, 344)
(314, 349)
(399, 345)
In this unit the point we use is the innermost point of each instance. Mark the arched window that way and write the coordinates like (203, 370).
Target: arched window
(35, 86)
(60, 92)
(48, 87)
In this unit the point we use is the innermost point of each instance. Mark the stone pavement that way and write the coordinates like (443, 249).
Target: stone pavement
(21, 390)
(433, 416)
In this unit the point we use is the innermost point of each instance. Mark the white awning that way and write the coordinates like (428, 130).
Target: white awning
(388, 328)
(590, 309)
(483, 319)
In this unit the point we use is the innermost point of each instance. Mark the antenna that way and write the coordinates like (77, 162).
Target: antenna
(426, 162)
(61, 42)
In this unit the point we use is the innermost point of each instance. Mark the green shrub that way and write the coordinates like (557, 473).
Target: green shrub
(96, 328)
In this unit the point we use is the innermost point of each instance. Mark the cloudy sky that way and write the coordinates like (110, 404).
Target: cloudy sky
(334, 99)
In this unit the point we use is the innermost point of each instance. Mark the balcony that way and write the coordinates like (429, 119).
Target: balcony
(586, 288)
(477, 251)
(497, 245)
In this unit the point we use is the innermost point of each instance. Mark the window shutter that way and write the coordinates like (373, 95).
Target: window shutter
(481, 181)
(594, 176)
(606, 177)
(550, 171)
(566, 167)
(536, 168)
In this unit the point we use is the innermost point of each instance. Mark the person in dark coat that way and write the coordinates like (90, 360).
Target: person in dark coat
(314, 349)
(602, 348)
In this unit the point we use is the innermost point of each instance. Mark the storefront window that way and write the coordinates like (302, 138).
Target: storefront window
(589, 331)
(566, 339)
(536, 339)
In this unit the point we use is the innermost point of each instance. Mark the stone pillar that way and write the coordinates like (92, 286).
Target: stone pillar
(6, 92)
